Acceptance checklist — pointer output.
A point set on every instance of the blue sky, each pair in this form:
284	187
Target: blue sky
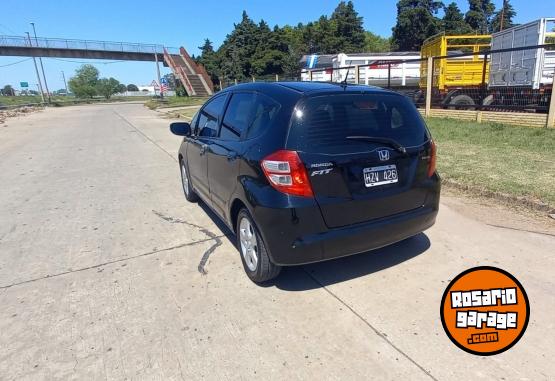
175	23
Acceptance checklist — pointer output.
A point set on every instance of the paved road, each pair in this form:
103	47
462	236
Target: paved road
107	273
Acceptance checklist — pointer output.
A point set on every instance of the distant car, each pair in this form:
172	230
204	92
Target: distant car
304	172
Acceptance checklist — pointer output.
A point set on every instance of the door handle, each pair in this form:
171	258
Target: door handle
203	148
231	156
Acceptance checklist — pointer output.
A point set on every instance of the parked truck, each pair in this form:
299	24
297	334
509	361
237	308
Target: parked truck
515	79
522	77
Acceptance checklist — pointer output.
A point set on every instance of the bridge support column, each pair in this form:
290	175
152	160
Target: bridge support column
158	75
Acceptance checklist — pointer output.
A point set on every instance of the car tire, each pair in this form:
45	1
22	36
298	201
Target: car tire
255	258
188	191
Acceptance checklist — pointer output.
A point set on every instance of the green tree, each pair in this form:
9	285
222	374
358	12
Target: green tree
347	32
84	83
107	87
209	59
8	91
132	87
376	44
121	88
453	21
271	51
503	19
237	50
479	15
292	37
319	37
257	50
416	21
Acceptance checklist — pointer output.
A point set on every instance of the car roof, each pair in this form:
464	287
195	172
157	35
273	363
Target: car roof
307	88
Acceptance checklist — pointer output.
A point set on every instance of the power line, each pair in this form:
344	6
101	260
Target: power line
15	63
8	29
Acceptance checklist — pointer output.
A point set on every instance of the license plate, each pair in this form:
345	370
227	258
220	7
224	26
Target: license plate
385	174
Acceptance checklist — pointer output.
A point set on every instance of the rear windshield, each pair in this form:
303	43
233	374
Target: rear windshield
321	124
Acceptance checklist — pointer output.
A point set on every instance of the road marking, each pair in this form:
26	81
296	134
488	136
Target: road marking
144	135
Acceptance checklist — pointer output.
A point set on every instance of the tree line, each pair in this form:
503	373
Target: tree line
87	84
417	20
256	50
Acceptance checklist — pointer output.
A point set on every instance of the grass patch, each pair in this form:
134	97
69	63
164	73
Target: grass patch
58	100
518	161
186	114
25	99
175	102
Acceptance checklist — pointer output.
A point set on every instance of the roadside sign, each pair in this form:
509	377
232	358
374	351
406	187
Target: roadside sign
23	84
155	85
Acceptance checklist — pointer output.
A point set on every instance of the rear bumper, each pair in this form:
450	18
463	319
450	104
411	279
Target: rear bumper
369	236
300	236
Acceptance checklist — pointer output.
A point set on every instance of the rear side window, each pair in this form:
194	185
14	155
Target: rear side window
208	118
251	112
264	111
238	114
322	123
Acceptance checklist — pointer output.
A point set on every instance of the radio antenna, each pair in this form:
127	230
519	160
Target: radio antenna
344	82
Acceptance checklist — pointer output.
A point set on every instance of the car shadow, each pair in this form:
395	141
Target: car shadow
321	274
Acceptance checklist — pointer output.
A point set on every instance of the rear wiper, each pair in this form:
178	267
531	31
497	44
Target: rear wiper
376	139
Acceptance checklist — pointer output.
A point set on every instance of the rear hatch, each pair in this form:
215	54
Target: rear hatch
366	154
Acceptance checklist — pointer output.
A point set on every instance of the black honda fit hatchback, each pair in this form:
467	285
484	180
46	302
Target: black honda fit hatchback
305	172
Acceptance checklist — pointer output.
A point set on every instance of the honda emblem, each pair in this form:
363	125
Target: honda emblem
383	154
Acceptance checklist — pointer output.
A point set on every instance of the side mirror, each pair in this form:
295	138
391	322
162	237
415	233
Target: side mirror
180	128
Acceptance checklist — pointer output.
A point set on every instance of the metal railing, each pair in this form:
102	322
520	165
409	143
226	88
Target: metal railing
64	43
228	82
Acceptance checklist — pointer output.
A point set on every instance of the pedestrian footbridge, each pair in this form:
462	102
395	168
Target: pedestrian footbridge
193	76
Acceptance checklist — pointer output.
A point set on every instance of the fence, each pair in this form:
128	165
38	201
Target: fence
502	80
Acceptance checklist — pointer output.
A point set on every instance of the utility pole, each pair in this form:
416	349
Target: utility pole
65	83
40	60
36	70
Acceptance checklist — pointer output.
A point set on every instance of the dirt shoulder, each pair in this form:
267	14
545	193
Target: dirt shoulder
498	214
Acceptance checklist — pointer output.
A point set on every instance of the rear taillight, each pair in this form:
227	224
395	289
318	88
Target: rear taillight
286	173
433	156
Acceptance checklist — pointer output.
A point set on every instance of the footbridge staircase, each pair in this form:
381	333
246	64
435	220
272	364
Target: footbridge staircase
193	76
